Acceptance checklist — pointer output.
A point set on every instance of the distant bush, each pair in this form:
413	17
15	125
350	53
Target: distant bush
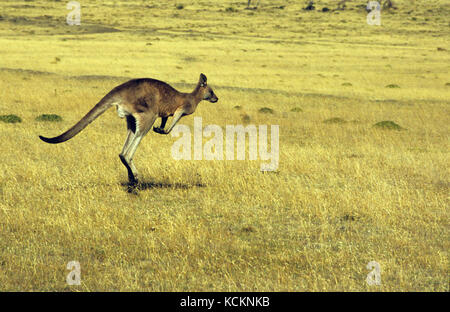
347	84
335	120
392	86
246	118
238	107
56	60
10	118
387	124
310	6
297	110
179	6
190	59
49	117
266	110
230	9
248	229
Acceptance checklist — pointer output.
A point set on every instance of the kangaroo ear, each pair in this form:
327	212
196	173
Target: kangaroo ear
202	79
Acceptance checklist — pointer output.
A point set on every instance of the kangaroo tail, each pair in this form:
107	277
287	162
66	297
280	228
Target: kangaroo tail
96	111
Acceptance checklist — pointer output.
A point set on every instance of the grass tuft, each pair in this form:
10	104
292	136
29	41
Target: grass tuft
246	118
49	117
231	9
10	118
266	110
335	120
388	125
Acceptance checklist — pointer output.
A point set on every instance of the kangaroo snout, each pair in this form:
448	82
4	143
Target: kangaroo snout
214	99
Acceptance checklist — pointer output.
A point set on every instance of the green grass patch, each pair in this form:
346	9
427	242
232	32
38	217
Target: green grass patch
388	125
335	120
246	119
393	86
10	118
296	110
231	9
49	117
266	110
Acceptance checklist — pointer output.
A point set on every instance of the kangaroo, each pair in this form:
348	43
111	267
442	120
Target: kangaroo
141	102
255	7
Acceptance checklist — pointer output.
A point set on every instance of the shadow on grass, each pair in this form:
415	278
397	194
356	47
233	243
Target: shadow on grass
142	186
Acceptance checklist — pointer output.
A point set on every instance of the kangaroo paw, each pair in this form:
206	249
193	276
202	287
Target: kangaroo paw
133	180
159	130
132	177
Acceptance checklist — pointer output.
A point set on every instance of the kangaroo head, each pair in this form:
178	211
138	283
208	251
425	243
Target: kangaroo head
208	93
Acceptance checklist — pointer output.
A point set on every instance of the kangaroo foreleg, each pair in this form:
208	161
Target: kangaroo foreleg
176	117
162	126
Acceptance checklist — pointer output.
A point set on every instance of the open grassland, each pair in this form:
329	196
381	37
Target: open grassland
345	193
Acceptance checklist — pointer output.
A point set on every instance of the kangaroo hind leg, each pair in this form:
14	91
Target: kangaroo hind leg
143	124
131	131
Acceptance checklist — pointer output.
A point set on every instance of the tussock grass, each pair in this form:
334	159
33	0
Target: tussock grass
10	118
266	110
393	86
49	117
335	120
246	118
387	124
231	9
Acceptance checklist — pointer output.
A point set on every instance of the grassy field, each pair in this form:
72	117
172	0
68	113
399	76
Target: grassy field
345	192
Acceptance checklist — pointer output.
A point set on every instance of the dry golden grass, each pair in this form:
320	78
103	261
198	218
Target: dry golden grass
344	194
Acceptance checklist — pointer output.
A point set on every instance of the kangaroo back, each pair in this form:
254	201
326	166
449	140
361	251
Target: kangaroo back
96	111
